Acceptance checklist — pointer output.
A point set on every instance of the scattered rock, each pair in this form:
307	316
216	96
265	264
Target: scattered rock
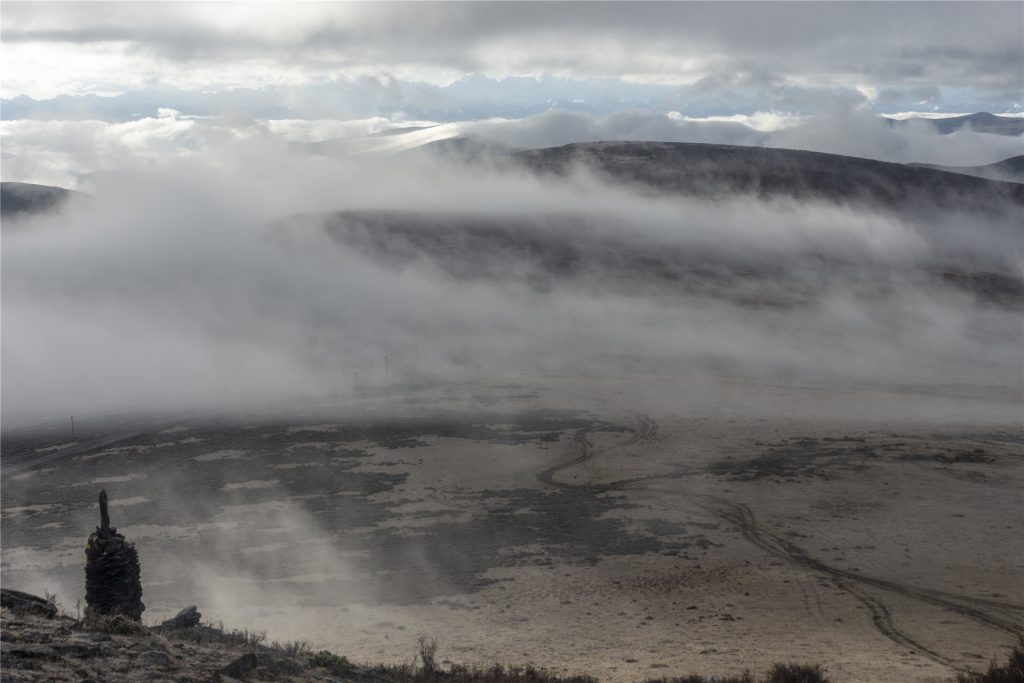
158	659
240	666
77	650
26	603
186	618
278	666
31	651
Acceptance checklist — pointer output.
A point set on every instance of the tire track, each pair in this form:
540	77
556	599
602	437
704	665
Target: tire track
586	453
741	516
647	429
882	619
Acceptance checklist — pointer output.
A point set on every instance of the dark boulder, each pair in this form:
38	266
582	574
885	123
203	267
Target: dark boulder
186	618
26	603
240	667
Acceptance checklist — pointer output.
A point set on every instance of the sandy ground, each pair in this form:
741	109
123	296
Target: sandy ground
627	527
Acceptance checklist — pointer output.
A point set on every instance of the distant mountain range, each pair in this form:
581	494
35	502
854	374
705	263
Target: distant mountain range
455	139
982	122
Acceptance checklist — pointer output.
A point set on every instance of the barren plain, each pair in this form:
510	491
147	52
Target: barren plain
628	527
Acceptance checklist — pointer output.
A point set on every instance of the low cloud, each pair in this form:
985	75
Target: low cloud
182	288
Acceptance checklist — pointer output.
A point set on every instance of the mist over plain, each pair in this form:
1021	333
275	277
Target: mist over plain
229	269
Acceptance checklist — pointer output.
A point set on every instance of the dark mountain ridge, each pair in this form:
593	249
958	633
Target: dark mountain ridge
714	171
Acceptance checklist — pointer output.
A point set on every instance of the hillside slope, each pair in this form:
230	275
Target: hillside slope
718	170
22	199
1009	170
38	647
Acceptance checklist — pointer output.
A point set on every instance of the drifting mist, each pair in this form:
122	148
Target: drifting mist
237	274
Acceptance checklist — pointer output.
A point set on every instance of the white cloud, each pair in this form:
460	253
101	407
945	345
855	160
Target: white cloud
51	48
868	91
764	121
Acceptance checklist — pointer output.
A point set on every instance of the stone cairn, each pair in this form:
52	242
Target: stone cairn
112	583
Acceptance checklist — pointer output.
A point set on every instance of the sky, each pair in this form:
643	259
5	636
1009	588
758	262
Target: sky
93	87
463	61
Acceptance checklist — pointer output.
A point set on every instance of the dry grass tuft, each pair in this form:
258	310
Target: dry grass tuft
1011	672
114	625
779	673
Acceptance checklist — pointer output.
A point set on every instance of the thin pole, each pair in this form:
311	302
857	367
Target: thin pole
72	426
104	515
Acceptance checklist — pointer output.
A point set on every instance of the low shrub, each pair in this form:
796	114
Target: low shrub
1011	672
795	673
330	661
113	624
495	673
745	677
779	673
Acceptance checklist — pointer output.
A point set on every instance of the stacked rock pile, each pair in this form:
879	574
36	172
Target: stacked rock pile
112	572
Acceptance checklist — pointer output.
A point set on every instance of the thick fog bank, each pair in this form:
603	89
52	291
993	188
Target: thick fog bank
186	287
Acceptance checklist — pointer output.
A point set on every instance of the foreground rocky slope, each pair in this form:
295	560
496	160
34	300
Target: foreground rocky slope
37	647
40	645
